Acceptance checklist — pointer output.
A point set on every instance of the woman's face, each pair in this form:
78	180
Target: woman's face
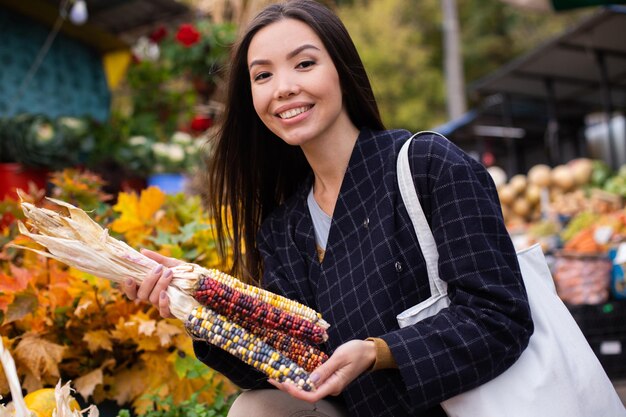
295	85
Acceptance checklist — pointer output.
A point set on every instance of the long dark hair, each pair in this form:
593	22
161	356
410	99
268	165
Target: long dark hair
251	170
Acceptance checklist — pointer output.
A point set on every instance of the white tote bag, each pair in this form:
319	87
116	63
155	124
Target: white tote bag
557	375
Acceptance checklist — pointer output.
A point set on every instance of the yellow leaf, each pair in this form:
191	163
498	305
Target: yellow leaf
138	214
151	200
86	384
148	343
98	339
40	356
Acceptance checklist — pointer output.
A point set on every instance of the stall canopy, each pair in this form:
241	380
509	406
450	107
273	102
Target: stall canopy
577	73
111	24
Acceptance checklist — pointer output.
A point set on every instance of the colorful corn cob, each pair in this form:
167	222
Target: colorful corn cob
267	331
269	297
305	355
205	324
231	302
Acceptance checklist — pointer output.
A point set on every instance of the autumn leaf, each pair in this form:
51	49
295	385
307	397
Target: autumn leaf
21	305
17	281
39	355
165	330
138	214
146	327
128	384
5	301
148	343
86	384
98	339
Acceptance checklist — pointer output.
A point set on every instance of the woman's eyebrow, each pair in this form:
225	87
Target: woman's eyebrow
289	55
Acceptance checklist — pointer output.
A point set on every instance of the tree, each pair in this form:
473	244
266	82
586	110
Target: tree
401	44
398	59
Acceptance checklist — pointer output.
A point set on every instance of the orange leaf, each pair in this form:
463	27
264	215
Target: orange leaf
17	281
39	355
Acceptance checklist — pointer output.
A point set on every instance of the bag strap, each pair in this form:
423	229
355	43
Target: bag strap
420	224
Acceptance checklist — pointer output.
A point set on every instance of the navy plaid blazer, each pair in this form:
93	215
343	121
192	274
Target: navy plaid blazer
373	270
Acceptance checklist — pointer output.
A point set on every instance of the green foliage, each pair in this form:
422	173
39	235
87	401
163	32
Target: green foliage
401	44
167	407
408	89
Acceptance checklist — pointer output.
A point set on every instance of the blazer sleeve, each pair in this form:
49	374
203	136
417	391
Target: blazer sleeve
488	323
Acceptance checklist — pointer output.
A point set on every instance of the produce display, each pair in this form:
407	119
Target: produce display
273	334
576	212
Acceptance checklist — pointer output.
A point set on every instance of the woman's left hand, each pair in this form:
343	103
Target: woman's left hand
348	362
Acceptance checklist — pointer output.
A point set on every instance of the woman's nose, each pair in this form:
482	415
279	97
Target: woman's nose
286	87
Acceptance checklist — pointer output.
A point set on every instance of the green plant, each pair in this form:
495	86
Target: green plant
39	141
167	407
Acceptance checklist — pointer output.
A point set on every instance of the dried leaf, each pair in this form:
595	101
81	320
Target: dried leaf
86	384
147	327
22	305
165	330
128	384
40	356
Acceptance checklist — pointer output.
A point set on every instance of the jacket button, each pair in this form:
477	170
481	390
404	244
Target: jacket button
366	222
398	266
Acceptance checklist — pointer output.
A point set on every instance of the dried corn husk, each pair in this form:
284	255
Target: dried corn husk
76	240
17	408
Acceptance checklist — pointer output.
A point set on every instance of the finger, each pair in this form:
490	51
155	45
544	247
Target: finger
164	305
162	259
297	392
161	286
145	289
129	287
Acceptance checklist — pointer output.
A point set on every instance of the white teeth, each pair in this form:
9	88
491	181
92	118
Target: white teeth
293	112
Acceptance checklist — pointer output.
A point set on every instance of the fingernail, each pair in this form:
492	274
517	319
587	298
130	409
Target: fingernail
315	378
158	269
129	281
169	273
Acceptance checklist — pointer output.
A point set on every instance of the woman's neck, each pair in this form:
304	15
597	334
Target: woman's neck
329	160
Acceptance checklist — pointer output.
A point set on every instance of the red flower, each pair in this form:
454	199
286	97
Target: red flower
187	35
158	34
201	123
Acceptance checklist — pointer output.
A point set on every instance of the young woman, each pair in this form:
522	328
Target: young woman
309	174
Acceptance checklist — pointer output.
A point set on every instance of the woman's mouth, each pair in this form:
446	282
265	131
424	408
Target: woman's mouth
288	114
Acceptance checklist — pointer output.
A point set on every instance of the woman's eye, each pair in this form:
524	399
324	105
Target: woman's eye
261	76
306	64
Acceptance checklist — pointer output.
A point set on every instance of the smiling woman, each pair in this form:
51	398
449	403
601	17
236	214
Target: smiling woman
307	173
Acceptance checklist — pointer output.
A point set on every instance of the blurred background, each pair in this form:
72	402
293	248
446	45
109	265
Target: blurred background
103	100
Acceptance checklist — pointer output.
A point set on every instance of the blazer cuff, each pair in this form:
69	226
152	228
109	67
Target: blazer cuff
384	358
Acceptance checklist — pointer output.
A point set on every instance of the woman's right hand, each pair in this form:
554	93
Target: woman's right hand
153	287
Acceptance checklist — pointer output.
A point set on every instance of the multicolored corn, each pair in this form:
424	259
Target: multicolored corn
302	353
235	304
270	332
205	324
269	297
